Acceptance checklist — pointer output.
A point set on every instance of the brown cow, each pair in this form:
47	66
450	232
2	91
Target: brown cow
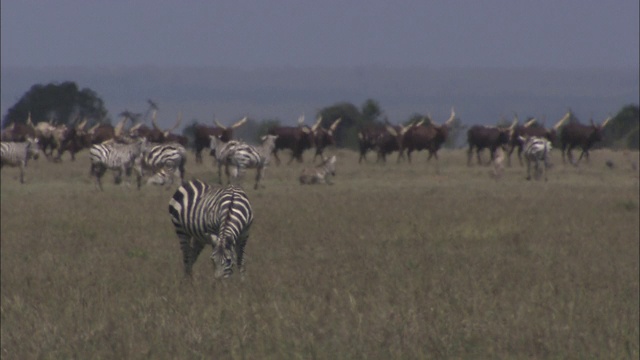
295	138
585	136
392	140
323	137
430	138
367	138
491	137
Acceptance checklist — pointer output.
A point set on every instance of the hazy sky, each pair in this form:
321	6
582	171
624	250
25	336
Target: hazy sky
280	33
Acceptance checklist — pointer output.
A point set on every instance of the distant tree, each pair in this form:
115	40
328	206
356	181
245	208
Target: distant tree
249	132
61	103
189	132
265	125
346	133
621	131
371	112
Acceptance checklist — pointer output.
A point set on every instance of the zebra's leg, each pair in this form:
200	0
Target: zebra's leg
259	176
219	172
98	171
190	251
275	155
520	154
22	165
240	244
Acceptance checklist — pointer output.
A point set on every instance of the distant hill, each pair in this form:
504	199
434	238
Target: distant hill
480	96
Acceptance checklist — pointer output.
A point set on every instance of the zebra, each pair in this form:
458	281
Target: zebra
118	157
244	156
169	156
318	175
18	154
220	216
536	150
220	151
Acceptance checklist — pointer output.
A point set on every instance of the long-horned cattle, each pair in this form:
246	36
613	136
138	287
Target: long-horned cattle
19	132
77	138
324	137
203	133
480	137
530	129
392	140
295	138
156	134
575	134
367	139
429	137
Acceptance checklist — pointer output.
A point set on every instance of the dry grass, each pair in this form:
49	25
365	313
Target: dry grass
392	261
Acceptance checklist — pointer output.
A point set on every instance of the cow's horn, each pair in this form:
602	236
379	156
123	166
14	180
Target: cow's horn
178	122
606	121
153	121
93	128
335	124
317	123
239	123
561	121
530	122
451	117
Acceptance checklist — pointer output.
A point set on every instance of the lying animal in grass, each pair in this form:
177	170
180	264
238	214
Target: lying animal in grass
320	174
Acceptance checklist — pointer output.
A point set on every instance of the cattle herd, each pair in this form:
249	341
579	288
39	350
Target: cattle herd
141	149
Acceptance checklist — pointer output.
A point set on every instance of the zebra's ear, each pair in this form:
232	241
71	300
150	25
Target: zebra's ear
332	160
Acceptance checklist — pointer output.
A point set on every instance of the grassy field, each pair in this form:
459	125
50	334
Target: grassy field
393	261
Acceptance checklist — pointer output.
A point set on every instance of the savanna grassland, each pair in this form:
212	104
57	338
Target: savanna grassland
393	261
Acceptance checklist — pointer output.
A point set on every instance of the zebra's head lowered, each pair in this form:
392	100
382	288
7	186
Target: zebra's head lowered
223	256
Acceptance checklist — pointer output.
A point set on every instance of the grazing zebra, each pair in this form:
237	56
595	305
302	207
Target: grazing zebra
318	175
202	214
244	156
171	157
120	158
536	150
18	154
220	151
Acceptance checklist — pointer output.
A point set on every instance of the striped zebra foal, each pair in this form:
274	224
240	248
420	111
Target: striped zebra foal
18	154
168	159
120	158
318	175
536	150
202	214
244	156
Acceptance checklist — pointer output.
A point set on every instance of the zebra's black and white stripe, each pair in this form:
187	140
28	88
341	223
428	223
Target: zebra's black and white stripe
203	214
169	158
319	174
244	156
220	151
18	154
537	151
120	158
